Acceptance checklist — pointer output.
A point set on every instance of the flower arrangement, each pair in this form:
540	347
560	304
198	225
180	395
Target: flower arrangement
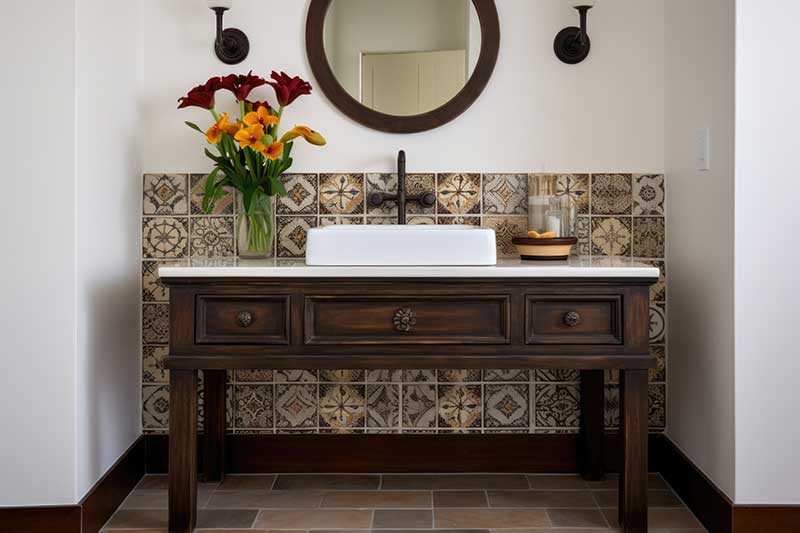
251	153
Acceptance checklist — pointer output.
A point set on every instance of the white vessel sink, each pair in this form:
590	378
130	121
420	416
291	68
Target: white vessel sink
394	245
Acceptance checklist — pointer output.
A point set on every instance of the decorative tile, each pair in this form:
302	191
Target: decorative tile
212	237
295	376
253	376
165	194
657	406
341	194
557	406
459	194
381	221
254	406
648	194
506	375
152	288
293	235
612	194
223	206
458	220
459	376
659	374
153	370
384	376
382	183
383	406
419	375
342	376
583	232
506	228
166	237
301	195
155	323
460	406
335	220
417	185
577	187
611	236
507	405
419	406
155	406
658	322
557	375
295	406
648	237
421	220
342	406
611	410
658	291
505	194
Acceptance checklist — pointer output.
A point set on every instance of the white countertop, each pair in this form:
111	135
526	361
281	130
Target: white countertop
578	267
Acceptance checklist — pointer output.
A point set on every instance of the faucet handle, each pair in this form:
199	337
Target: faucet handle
428	199
376	199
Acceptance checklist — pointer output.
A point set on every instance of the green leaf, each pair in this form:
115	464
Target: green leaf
194	126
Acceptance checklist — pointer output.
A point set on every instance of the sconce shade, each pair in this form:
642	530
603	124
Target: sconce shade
224	4
583	3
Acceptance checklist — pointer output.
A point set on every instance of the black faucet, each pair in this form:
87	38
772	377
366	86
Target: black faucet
376	199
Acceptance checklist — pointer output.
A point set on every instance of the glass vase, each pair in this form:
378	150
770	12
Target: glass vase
255	233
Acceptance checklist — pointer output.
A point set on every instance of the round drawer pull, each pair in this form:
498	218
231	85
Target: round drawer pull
244	319
405	319
572	319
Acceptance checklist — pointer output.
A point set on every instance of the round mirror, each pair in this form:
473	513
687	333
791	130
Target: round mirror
402	66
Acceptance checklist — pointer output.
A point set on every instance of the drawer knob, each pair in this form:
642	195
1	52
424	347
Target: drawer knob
244	319
405	319
572	319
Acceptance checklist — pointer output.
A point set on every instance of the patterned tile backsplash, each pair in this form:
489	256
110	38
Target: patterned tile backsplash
619	214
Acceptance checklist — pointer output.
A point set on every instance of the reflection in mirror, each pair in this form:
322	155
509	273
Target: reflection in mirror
402	57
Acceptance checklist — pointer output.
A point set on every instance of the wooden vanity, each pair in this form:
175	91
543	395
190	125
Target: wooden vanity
284	315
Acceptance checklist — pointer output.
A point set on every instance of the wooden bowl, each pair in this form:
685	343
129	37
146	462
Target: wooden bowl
556	249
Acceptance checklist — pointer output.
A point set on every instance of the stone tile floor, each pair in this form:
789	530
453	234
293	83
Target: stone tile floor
477	503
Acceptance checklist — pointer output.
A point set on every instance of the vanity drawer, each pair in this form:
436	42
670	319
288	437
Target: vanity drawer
583	319
480	319
242	319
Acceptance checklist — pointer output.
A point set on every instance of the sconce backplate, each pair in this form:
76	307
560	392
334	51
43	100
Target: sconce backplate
566	47
233	47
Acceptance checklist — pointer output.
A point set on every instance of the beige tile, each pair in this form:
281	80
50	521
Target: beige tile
326	482
576	518
230	518
314	519
557	482
454	481
264	499
662	519
247	482
655	498
402	519
145	499
490	518
542	498
562	530
138	519
460	498
383	499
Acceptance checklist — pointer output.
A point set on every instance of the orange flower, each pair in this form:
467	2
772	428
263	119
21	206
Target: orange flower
261	116
273	151
314	137
251	136
214	133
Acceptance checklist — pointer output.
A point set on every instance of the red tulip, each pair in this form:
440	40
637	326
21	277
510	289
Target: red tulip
202	95
288	89
242	85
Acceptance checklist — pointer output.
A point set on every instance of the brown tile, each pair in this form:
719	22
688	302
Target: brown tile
542	498
317	519
655	481
138	519
460	498
454	481
153	482
326	482
662	519
145	499
490	518
576	517
655	498
568	530
402	519
383	499
557	482
159	530
265	499
247	482
231	518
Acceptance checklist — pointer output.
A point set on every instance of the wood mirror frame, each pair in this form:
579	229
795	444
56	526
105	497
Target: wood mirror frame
315	48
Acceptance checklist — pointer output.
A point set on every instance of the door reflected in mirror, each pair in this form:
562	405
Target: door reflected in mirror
402	57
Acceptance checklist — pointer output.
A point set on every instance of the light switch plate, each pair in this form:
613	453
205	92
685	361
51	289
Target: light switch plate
703	143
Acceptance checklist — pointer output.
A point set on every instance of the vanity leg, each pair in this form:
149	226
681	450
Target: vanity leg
214	450
182	450
633	426
590	448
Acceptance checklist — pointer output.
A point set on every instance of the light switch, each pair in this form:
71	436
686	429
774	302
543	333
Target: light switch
704	149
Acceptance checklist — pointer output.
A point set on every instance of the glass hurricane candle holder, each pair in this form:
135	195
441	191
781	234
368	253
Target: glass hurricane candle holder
549	211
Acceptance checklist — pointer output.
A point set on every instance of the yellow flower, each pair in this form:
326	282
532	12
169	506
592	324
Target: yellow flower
251	136
261	116
314	137
214	133
273	151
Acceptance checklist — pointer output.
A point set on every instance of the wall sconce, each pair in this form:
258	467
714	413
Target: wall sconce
231	45
572	44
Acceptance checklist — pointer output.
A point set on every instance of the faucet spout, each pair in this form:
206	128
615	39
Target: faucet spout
401	198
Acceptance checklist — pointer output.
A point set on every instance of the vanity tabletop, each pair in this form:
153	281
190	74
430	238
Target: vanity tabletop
577	267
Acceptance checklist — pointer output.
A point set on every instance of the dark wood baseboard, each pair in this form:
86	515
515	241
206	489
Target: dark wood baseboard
61	518
761	518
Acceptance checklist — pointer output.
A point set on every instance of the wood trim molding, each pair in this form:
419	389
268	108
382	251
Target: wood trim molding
761	518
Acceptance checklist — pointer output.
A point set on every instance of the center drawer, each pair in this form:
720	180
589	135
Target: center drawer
340	319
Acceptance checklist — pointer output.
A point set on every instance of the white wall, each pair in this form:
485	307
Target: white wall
108	148
767	147
699	92
536	114
37	318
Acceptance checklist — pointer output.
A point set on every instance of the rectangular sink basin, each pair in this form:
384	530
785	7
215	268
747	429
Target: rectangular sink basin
394	245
